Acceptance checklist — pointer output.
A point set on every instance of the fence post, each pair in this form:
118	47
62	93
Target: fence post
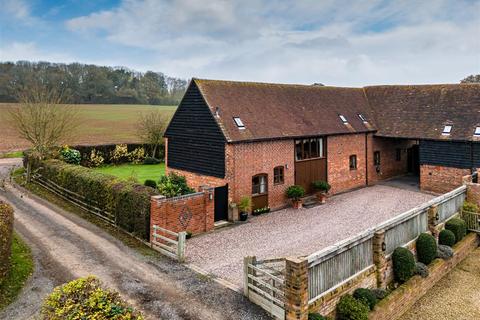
182	237
379	259
296	289
246	261
433	220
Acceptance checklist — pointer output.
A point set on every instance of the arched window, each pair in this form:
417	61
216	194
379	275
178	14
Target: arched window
259	184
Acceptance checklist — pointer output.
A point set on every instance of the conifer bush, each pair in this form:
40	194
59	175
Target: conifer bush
426	246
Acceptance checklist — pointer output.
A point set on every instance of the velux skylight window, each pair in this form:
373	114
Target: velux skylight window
477	132
342	117
362	117
447	129
239	122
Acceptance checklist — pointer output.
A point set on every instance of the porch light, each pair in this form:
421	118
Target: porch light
384	246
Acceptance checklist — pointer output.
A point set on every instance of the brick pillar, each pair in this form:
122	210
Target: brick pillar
379	258
433	221
296	289
157	212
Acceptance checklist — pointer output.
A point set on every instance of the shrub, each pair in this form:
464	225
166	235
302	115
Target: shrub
321	186
380	293
349	308
173	185
426	248
444	252
137	155
71	156
150	183
150	160
316	316
295	192
245	204
403	264
421	269
458	227
470	207
85	298
446	237
96	159
119	154
367	296
6	235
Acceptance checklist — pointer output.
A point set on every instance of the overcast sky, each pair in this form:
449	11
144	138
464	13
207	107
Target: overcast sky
345	43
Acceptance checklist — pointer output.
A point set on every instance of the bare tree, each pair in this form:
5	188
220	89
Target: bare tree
42	119
151	127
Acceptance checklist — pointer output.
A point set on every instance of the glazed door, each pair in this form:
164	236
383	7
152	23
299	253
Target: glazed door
259	191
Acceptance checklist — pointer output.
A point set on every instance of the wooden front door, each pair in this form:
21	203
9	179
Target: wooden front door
259	191
221	203
308	171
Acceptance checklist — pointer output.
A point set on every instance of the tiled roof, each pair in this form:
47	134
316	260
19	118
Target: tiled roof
422	111
271	111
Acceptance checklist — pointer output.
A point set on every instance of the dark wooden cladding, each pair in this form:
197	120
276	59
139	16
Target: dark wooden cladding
308	171
195	141
465	155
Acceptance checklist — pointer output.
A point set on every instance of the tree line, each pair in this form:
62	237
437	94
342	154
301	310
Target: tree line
91	84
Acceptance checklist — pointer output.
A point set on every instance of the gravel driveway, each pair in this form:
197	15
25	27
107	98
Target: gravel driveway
295	233
66	247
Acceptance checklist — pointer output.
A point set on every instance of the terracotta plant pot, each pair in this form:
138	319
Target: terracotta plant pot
322	197
297	204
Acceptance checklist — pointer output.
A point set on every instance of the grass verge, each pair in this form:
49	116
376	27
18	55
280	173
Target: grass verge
22	268
14	154
141	172
126	239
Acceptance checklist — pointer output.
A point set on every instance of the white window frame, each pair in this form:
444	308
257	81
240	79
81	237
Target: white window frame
239	122
447	129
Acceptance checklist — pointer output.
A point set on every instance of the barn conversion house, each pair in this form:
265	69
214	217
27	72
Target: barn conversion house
256	139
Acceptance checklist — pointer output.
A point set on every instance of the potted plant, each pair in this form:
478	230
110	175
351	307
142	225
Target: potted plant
296	193
322	188
244	206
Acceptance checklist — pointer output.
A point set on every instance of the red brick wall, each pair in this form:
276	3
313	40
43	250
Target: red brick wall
389	166
473	193
249	159
198	210
339	150
197	180
440	179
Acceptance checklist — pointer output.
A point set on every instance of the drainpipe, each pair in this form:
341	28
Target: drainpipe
366	158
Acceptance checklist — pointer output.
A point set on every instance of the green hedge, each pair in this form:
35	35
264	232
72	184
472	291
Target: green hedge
367	296
349	308
458	227
128	202
446	238
85	298
426	246
6	235
403	264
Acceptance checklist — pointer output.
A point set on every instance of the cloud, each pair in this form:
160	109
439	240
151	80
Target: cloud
334	42
16	51
19	10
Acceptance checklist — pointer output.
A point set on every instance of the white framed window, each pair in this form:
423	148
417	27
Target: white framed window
239	122
342	117
447	130
362	117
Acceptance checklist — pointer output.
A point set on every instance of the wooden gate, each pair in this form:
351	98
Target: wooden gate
221	203
307	171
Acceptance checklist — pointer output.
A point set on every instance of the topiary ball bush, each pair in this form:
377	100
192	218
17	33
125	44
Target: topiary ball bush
380	293
426	248
403	264
446	238
367	296
150	183
349	308
316	316
85	298
458	227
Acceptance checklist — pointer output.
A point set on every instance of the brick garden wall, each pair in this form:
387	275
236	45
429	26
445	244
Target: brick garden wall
440	179
339	174
193	213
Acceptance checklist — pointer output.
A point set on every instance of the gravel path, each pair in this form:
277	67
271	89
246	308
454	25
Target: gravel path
456	296
298	232
66	247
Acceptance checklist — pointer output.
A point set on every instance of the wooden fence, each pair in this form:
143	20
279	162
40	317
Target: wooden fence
169	243
264	284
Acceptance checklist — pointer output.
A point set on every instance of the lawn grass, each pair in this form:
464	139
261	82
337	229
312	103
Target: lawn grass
14	154
141	172
22	268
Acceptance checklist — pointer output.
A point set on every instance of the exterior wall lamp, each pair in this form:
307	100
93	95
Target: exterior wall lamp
384	246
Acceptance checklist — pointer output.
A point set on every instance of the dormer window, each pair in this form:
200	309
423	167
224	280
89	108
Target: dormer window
477	132
342	117
362	117
447	129
239	122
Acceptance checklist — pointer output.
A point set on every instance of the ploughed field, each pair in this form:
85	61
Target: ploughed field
99	124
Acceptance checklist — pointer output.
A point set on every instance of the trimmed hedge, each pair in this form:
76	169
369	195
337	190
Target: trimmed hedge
446	238
426	248
6	236
107	149
365	295
458	227
85	298
403	264
349	308
129	202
